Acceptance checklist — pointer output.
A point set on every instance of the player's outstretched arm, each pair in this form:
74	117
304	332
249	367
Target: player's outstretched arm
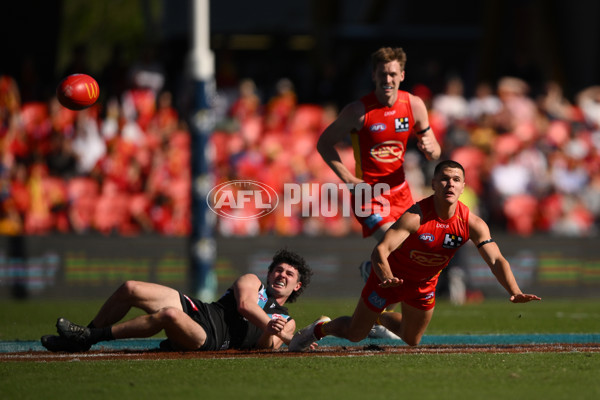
393	238
490	252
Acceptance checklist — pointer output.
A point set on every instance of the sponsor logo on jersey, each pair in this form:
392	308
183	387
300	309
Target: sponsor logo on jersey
452	241
378	127
401	124
388	151
262	297
443	226
429	298
377	301
428	259
192	304
225	345
427	237
389	113
372	220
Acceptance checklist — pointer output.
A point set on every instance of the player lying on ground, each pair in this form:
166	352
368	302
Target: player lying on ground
407	263
248	315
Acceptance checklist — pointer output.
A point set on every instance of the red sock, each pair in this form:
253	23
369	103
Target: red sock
319	330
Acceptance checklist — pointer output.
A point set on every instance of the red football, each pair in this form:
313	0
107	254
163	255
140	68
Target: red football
78	91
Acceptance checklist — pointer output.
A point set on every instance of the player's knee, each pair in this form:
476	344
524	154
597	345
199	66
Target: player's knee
129	288
356	336
169	315
412	341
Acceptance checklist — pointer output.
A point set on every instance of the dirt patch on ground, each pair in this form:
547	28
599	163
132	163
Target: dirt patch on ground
342	351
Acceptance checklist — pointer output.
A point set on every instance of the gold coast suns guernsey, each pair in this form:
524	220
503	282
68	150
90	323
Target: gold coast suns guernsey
380	145
425	253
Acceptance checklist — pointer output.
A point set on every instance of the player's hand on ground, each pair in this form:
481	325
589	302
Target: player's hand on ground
524	298
391	282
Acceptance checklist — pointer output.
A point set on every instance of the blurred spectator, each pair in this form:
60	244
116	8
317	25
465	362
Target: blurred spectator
588	101
11	223
517	108
88	145
575	219
82	196
148	72
247	105
484	103
508	176
281	106
452	103
61	159
591	196
568	174
555	105
47	206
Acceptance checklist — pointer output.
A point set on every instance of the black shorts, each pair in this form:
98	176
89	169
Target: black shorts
201	313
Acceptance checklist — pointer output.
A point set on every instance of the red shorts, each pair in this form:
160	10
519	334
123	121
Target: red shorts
399	199
420	295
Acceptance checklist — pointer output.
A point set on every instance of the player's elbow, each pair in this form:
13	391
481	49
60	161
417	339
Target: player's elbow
323	147
378	254
244	307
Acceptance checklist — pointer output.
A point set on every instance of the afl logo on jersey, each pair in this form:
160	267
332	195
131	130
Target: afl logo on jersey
427	237
379	127
388	152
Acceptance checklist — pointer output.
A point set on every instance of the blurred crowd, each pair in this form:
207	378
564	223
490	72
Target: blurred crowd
532	163
122	166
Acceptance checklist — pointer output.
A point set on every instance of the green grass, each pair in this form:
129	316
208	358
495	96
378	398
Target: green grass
494	316
28	320
422	376
408	376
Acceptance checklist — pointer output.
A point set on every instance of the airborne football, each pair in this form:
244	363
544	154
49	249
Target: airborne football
78	91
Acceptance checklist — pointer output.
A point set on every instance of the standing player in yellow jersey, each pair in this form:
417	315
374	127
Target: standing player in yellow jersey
380	125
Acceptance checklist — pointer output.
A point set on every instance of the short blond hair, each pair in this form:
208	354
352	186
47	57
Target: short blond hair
388	54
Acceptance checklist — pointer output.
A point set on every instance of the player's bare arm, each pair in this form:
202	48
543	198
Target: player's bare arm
426	140
490	252
349	120
393	238
275	331
245	289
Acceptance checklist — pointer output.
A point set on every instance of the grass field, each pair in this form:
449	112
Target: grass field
423	376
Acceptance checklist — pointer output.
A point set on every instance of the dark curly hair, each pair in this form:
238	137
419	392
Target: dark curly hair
297	261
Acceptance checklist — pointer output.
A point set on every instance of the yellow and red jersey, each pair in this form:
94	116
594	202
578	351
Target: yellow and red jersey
425	253
379	146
